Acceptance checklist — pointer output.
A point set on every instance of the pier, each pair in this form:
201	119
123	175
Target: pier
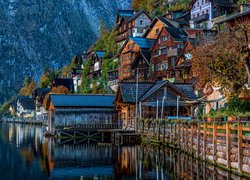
99	133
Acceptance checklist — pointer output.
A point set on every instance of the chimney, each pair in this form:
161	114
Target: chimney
244	7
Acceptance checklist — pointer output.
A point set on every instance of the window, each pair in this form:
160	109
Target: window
159	41
207	11
124	26
158	67
202	2
198	14
157	52
206	1
202	12
198	4
157	31
164	51
173	61
193	15
165	38
141	22
164	65
129	25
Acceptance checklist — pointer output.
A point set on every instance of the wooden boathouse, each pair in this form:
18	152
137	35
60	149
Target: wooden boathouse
78	111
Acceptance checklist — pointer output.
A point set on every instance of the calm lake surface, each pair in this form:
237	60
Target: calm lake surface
26	154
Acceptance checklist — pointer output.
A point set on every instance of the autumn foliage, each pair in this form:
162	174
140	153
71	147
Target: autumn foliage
55	90
224	60
29	86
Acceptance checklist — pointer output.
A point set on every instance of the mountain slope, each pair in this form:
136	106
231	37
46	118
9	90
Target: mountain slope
35	34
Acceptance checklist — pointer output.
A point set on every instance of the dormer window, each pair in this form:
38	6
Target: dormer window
141	22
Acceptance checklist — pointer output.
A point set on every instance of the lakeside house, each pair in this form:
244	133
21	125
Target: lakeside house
155	100
25	107
39	94
68	110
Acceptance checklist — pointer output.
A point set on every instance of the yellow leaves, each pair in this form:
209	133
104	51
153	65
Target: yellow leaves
28	89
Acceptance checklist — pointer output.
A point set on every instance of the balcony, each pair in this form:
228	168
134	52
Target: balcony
203	17
174	52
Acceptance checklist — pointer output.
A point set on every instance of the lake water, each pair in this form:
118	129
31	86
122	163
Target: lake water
26	154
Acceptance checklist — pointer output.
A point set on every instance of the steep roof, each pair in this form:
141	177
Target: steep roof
40	92
146	89
66	82
128	90
137	15
143	43
167	23
187	89
176	33
125	13
28	103
62	100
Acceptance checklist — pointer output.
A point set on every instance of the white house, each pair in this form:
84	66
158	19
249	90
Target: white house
203	11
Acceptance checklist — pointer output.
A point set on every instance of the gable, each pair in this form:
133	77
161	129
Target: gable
171	91
157	27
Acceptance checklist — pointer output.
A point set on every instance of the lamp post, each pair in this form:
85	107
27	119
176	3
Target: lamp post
136	98
178	100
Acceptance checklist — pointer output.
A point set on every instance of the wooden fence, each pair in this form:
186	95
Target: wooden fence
223	143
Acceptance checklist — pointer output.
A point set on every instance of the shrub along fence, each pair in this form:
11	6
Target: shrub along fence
226	144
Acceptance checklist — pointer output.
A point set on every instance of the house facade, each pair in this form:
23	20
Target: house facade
128	54
25	107
38	95
155	100
96	58
166	51
69	110
131	23
203	11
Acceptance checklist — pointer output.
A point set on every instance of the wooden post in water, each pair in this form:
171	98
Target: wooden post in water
204	140
164	129
192	139
214	141
240	147
228	152
171	138
198	140
158	137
